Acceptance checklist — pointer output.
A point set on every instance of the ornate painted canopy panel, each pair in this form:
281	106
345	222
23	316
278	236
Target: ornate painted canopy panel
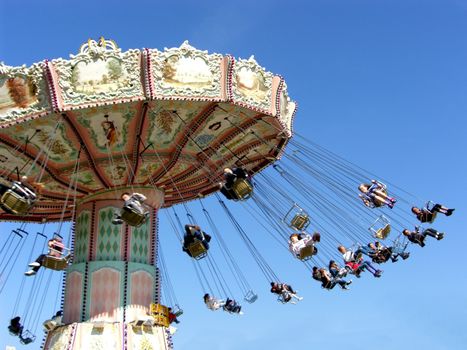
106	118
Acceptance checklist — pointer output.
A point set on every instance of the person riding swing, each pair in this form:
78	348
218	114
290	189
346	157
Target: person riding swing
375	195
134	211
428	214
56	250
232	177
195	241
303	245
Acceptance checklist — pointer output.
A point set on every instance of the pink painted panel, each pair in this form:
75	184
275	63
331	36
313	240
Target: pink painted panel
73	299
105	294
141	295
142	288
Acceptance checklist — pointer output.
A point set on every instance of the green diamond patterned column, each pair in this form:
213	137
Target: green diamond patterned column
140	243
110	237
82	234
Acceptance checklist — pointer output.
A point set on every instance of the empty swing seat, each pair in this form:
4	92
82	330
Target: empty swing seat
250	297
133	217
300	221
26	338
197	250
383	232
160	313
297	218
55	263
381	227
177	311
14	203
26	341
242	189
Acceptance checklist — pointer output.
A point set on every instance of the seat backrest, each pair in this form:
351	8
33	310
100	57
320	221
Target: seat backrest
160	313
197	250
306	252
377	203
15	203
50	325
383	233
55	263
284	297
242	189
26	338
433	217
178	312
300	221
250	297
132	217
26	341
24	190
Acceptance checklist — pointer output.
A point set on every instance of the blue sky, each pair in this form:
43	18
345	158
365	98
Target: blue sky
382	83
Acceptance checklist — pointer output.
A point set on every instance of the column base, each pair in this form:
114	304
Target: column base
109	336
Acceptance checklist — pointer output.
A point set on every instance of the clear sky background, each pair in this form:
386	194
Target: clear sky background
357	68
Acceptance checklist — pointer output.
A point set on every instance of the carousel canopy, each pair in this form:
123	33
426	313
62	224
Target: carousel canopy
140	119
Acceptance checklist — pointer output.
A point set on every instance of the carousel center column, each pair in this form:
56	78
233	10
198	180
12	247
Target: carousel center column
113	278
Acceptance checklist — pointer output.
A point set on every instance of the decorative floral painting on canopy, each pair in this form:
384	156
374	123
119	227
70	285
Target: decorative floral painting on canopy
15	93
187	71
98	76
251	84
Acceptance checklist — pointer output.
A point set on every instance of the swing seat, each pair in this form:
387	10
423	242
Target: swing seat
197	250
376	187
177	311
133	217
306	252
378	204
242	189
55	263
358	257
26	341
300	221
381	227
14	203
429	207
296	218
382	256
281	298
399	248
383	233
433	218
160	313
250	297
27	337
232	310
50	325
